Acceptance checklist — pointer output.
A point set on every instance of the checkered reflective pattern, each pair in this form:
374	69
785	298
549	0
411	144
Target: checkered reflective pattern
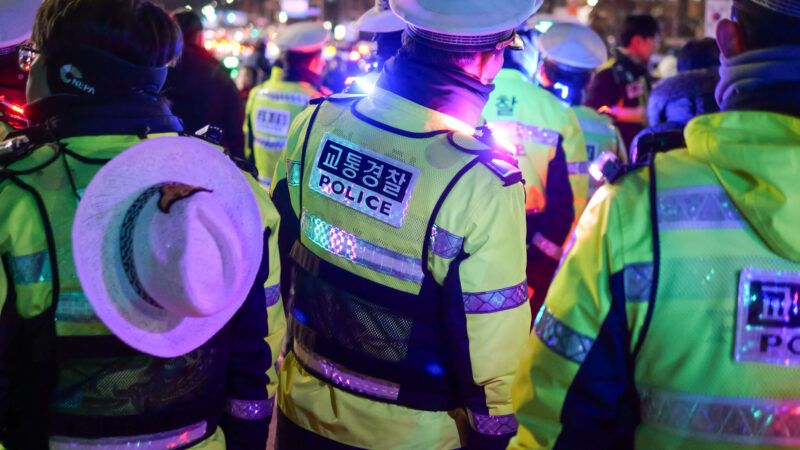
250	409
697	208
444	243
494	301
638	282
562	339
754	421
494	425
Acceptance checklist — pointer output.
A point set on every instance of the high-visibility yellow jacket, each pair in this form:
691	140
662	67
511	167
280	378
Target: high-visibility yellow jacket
63	373
673	321
409	308
271	107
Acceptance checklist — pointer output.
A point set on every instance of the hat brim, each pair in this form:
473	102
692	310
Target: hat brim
376	20
485	18
96	232
16	21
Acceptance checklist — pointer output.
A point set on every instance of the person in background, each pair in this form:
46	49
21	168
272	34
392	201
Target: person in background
139	286
671	324
405	234
570	54
201	91
254	70
544	136
622	86
387	30
15	29
273	105
677	100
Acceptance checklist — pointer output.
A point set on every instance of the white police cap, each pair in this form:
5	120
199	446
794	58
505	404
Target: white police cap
380	19
302	37
16	21
573	45
464	25
785	7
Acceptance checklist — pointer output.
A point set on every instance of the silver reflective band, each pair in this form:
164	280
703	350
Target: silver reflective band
596	127
698	207
520	133
167	439
638	280
339	242
74	307
31	269
345	378
293	173
286	97
578	168
752	421
494	301
547	246
250	409
444	243
560	338
494	425
272	294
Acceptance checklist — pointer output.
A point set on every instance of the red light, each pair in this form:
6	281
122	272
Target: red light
17	109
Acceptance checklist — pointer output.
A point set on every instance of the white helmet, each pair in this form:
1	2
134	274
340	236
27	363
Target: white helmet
573	45
303	37
380	19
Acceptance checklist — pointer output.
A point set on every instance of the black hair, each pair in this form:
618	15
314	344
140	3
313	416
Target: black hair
643	25
137	31
576	80
698	54
190	24
436	57
764	28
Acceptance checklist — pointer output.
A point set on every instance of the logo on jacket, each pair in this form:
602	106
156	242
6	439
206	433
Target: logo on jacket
364	180
72	76
768	319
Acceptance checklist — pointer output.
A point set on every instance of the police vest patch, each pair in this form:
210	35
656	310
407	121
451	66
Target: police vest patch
272	121
366	181
768	318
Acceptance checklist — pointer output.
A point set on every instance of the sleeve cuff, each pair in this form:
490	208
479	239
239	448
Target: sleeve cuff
249	409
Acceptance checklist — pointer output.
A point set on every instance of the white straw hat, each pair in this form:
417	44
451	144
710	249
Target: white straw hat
167	243
380	19
16	21
303	37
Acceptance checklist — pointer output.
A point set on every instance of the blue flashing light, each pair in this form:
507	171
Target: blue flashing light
435	369
300	316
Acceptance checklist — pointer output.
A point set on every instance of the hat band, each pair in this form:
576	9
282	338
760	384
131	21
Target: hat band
454	43
126	243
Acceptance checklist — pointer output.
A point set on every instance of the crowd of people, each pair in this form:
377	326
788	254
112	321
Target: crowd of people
498	238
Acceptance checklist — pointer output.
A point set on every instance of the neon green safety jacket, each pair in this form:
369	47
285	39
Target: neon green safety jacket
409	307
63	373
601	136
673	321
271	107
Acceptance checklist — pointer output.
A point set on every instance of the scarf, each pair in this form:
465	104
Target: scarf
446	90
761	80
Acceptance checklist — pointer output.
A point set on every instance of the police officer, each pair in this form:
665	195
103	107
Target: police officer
273	105
387	30
671	324
622	86
406	236
570	54
15	28
546	136
69	377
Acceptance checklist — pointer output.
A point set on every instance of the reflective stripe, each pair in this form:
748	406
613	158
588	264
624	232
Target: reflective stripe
560	338
292	173
753	421
697	208
494	301
270	144
547	246
638	279
345	378
250	409
286	97
494	425
273	294
596	127
31	269
168	439
578	168
74	307
519	133
444	243
339	242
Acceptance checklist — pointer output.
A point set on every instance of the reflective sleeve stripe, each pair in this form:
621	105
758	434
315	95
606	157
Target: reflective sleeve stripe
31	269
547	246
560	338
272	294
752	421
167	439
345	245
345	378
519	133
249	409
699	207
494	301
293	173
444	243
494	425
638	281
